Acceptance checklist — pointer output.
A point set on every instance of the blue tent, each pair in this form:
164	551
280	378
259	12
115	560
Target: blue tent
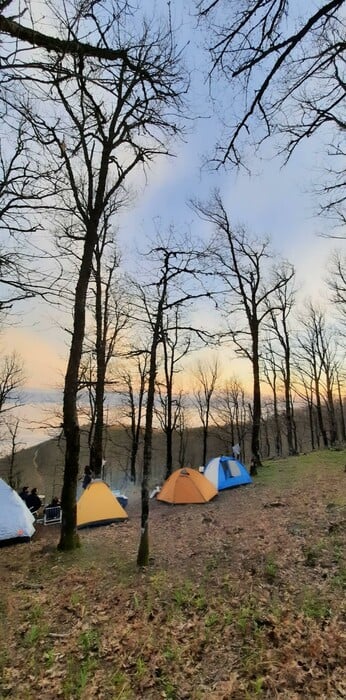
226	472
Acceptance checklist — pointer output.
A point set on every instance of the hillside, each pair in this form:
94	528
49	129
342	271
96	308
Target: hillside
43	464
244	598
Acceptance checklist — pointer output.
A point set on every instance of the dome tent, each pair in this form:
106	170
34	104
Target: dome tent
98	506
16	521
226	472
186	486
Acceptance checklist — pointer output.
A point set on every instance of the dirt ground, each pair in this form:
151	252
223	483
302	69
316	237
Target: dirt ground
244	598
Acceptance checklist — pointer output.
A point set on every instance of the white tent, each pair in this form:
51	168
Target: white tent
16	521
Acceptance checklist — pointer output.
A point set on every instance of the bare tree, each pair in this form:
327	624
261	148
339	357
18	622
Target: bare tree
174	348
271	373
13	475
336	282
341	406
22	197
11	380
231	416
67	45
133	397
181	429
177	264
279	325
318	351
206	376
250	293
111	317
285	64
304	389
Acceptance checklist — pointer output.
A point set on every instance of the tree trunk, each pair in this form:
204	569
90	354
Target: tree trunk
288	410
143	550
169	452
136	423
182	447
320	416
331	411
135	432
278	441
99	428
294	430
133	460
205	444
96	452
342	416
266	436
311	422
169	430
256	410
69	537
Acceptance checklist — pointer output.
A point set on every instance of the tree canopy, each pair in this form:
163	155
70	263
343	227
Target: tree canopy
285	64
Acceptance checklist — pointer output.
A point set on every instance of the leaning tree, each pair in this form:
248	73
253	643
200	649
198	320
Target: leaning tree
97	111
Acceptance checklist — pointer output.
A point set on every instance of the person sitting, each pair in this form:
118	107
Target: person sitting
24	493
55	503
88	475
33	501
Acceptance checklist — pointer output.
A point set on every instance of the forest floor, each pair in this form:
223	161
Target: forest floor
244	598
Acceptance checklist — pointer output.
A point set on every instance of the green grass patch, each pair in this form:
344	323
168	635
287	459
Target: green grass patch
89	641
339	579
313	605
271	568
285	472
77	677
313	554
188	595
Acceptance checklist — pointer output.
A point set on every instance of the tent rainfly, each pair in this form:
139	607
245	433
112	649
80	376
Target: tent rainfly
16	521
226	472
98	506
186	486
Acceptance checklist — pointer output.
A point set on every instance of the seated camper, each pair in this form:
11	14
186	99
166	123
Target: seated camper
33	501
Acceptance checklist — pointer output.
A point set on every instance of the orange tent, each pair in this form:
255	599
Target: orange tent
186	486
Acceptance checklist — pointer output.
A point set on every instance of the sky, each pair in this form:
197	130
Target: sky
273	200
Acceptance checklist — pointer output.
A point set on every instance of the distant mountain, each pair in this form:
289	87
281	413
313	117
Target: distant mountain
42	465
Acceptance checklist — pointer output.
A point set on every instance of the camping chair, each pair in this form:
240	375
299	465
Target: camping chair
52	515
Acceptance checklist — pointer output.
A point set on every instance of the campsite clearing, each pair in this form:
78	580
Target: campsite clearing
244	598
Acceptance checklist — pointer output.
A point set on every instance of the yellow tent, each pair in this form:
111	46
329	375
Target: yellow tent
187	486
98	506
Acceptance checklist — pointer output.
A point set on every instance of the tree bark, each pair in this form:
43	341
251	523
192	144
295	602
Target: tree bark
96	451
342	416
256	410
143	551
69	537
62	46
